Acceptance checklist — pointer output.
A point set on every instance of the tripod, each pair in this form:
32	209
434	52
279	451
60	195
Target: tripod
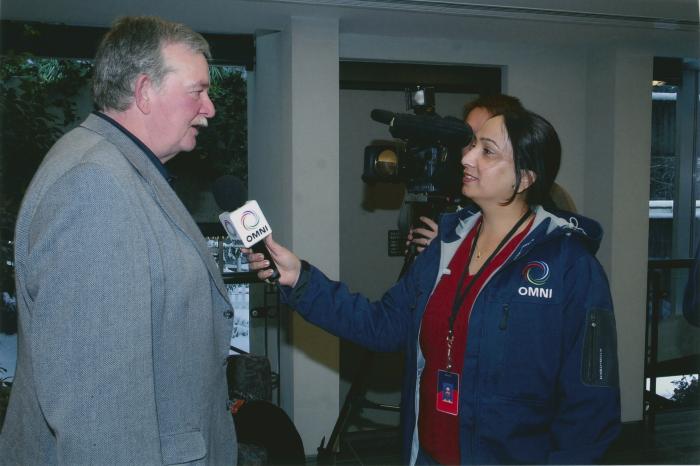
421	204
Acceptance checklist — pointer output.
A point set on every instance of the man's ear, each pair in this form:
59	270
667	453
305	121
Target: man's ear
143	91
527	178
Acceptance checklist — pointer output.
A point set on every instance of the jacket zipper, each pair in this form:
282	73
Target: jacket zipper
592	339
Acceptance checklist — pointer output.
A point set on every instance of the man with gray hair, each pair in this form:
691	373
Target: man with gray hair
124	321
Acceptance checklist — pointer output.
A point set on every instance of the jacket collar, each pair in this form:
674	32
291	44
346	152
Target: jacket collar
146	150
161	190
455	226
452	225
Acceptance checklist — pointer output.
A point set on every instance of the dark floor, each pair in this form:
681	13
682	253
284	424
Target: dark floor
372	447
675	440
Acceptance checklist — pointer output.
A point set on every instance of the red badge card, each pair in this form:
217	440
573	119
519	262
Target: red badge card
447	392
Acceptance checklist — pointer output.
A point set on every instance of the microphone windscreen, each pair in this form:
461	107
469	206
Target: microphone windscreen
229	192
382	116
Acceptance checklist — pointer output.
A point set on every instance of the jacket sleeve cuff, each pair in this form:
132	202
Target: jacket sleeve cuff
297	292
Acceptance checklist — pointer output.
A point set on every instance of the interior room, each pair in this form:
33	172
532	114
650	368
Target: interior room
316	69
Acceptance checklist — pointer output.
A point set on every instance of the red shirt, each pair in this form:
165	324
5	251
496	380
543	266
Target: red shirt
439	432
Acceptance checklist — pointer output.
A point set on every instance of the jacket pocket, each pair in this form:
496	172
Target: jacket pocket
521	360
182	447
599	360
514	431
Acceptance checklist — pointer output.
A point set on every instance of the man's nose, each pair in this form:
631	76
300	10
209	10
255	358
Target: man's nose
208	106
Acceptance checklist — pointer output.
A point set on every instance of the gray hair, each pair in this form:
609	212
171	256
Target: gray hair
133	46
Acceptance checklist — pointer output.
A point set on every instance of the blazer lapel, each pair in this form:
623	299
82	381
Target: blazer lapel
162	192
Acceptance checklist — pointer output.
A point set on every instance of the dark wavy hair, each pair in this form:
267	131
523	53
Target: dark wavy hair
536	147
495	104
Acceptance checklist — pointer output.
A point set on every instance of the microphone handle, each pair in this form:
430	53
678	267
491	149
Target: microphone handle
260	248
411	254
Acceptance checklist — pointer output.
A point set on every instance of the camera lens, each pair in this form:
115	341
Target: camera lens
387	163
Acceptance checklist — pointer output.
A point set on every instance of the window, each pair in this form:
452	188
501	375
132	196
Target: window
674	203
674	234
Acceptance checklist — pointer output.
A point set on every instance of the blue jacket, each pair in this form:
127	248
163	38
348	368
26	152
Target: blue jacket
539	377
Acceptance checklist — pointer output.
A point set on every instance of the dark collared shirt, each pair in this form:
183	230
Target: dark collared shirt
151	156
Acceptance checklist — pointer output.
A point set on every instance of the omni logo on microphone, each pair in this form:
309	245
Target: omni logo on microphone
249	220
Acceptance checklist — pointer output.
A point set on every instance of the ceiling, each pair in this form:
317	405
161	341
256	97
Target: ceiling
567	20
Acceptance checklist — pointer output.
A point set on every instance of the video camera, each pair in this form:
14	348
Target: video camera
428	158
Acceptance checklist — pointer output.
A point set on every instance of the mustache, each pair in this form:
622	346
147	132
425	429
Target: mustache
201	121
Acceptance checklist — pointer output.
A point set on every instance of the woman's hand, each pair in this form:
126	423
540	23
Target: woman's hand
288	265
422	237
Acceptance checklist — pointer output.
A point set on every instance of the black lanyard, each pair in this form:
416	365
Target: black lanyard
462	292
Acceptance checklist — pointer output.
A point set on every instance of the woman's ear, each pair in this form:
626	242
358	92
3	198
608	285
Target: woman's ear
142	93
527	179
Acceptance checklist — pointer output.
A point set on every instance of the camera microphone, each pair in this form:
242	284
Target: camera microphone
382	116
246	222
425	128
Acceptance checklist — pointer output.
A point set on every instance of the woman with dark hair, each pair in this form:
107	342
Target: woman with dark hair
476	113
509	309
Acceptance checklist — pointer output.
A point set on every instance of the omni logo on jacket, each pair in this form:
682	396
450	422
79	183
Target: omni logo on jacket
536	273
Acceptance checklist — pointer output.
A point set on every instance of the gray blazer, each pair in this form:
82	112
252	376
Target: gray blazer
124	319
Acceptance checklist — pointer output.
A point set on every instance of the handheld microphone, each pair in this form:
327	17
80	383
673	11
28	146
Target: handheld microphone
247	222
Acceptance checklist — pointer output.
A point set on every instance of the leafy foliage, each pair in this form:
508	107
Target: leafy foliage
37	104
686	392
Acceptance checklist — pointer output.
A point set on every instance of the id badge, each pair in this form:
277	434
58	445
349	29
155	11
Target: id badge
447	392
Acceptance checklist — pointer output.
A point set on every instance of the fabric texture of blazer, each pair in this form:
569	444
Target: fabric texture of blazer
124	321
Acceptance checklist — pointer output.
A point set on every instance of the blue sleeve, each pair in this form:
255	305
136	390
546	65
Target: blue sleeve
587	419
379	326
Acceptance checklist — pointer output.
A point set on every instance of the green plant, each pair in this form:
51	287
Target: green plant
37	104
686	392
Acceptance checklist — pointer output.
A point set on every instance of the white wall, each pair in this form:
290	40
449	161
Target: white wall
293	173
617	167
